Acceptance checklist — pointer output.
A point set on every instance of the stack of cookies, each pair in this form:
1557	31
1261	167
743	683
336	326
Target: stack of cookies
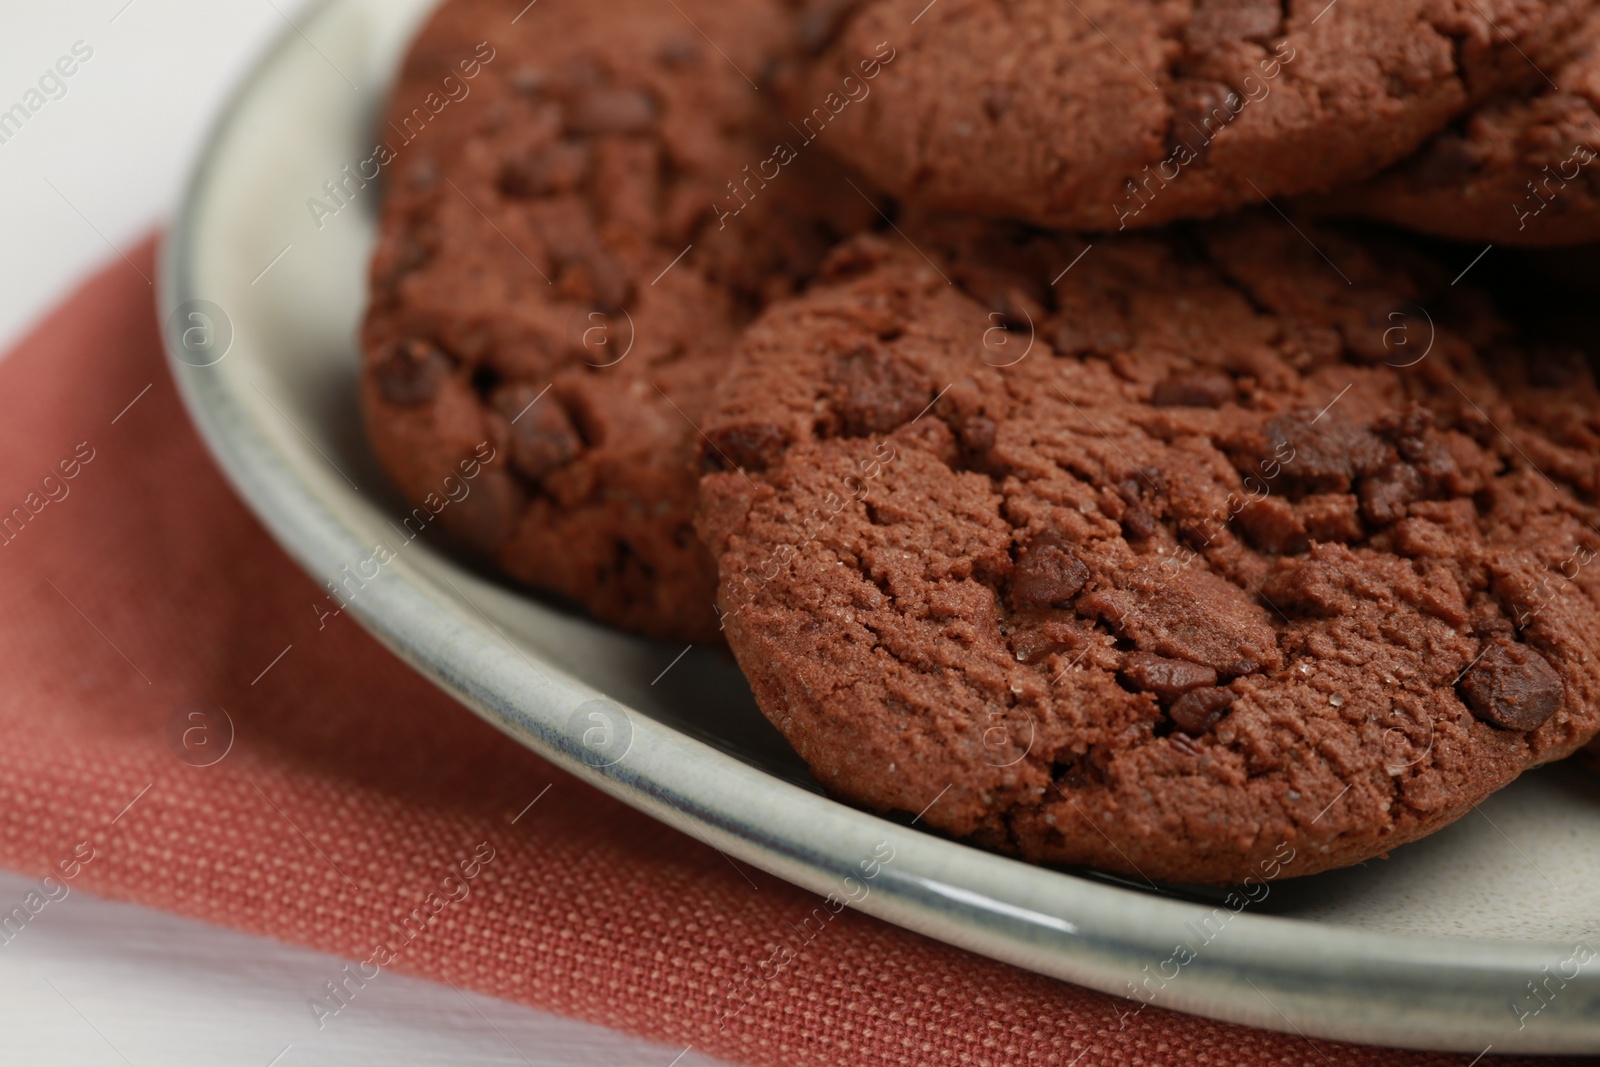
1073	412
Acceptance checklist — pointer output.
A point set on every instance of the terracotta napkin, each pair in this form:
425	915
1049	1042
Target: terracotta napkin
358	811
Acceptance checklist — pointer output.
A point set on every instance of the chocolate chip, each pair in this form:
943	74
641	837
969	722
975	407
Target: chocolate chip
1325	453
997	101
751	447
411	372
1384	496
1186	744
1431	457
1199	710
604	111
978	434
1046	574
1166	678
1512	687
1017	299
560	168
678	53
543	439
610	286
1138	524
875	391
1201	110
1200	389
1448	161
820	22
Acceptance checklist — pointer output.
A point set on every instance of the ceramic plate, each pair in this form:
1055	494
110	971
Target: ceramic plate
1434	947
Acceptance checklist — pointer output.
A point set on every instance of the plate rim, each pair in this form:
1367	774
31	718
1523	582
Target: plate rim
1042	920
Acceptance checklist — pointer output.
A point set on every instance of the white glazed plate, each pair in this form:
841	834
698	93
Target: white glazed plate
1433	948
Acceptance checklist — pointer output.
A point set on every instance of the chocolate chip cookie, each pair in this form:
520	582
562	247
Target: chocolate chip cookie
1248	551
583	204
1521	169
1109	114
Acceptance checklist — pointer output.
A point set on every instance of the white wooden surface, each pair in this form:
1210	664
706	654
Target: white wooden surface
91	982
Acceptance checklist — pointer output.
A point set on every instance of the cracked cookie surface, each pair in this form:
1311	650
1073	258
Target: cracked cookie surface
1113	114
1521	169
1197	565
572	235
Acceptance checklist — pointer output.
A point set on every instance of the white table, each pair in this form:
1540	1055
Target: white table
99	163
